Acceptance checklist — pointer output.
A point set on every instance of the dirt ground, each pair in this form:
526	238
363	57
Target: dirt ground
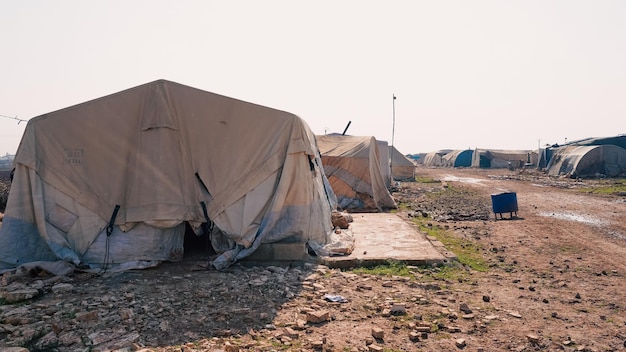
555	282
559	267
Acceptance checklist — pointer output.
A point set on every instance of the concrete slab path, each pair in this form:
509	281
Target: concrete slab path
380	237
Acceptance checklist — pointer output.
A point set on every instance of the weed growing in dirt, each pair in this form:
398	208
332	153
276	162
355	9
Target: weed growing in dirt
468	255
467	252
420	179
391	268
614	186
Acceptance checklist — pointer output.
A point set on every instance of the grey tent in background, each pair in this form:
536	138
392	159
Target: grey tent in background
496	158
587	161
150	159
458	158
352	165
545	154
435	158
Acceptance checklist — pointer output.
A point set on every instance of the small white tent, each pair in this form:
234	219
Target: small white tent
114	180
352	165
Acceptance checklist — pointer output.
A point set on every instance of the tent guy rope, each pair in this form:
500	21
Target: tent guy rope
14	118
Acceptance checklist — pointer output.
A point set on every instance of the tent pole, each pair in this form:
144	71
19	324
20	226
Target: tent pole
393	130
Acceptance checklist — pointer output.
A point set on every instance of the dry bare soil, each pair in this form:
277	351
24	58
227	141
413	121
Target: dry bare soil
552	279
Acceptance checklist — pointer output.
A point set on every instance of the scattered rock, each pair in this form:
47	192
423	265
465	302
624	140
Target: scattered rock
465	308
317	317
62	288
378	333
374	348
422	328
515	315
398	309
532	338
460	343
20	295
341	220
87	316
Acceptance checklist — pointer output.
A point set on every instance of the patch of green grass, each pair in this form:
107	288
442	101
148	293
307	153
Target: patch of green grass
391	268
451	272
568	249
443	336
467	252
614	186
293	345
402	206
469	255
420	179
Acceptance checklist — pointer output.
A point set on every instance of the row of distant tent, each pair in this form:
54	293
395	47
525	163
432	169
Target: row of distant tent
118	180
6	162
590	157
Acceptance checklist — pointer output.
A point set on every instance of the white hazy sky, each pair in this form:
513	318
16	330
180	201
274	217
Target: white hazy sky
487	74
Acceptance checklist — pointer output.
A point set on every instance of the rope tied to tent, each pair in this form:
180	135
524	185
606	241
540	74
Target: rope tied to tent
109	232
207	226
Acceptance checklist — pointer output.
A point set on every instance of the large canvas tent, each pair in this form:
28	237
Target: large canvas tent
352	165
619	140
546	154
113	181
435	158
588	161
458	158
494	158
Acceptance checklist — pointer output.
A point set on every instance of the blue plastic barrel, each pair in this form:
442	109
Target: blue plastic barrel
505	202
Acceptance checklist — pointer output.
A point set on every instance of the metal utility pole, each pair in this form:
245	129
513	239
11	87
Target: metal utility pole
393	131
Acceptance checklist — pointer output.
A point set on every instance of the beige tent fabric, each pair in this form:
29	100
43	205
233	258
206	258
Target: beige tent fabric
158	150
385	158
402	168
434	158
352	165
